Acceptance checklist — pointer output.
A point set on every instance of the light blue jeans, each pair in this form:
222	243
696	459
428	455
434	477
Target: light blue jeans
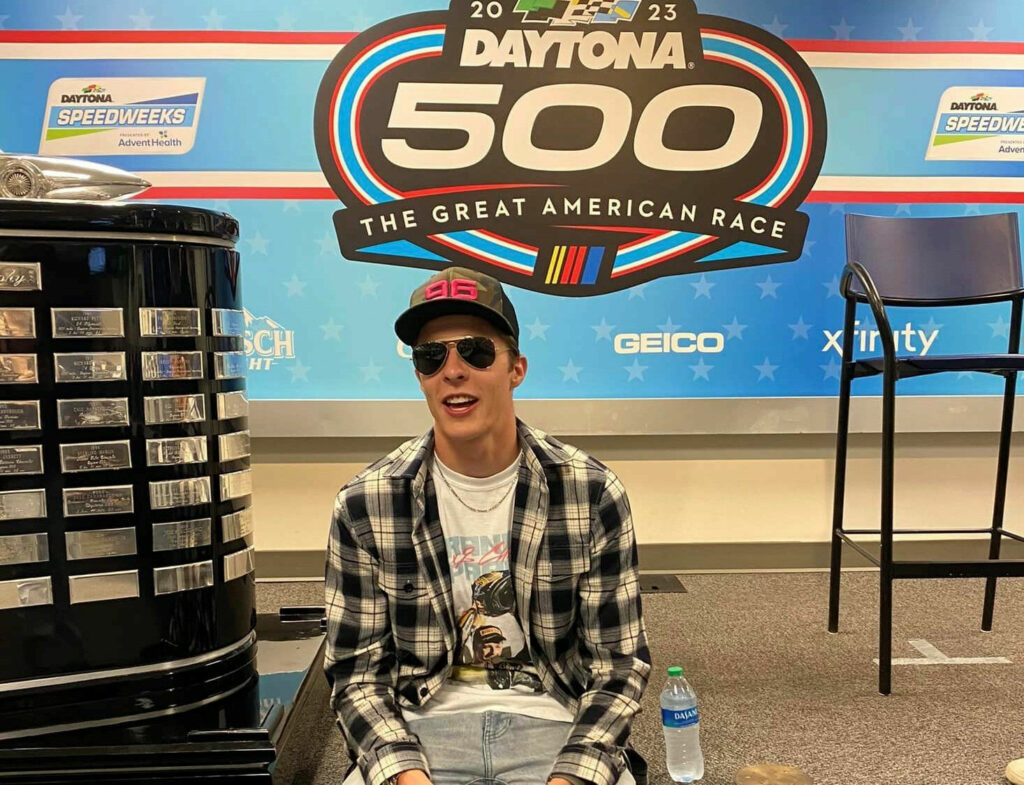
490	748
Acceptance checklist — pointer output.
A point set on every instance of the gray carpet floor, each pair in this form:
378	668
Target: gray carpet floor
774	686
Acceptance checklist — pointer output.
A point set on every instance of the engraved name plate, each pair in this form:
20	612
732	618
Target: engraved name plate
238	564
89	366
236	525
176	535
87	322
17	323
102	500
21	460
24	592
183	577
235	485
20	277
92	412
231	405
181	449
228	322
179	493
233	445
104	586
156	322
158	366
19	415
24	549
18	505
94	456
100	543
18	369
162	409
229	365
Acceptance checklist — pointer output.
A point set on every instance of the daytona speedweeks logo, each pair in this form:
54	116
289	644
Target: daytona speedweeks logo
570	147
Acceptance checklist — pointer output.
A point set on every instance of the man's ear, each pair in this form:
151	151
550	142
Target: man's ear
518	371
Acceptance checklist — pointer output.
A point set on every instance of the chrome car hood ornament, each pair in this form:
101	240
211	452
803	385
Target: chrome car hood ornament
39	177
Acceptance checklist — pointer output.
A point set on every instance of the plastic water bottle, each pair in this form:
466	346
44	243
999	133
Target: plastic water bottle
680	722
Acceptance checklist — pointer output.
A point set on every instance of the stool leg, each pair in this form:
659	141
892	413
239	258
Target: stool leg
885	557
839	486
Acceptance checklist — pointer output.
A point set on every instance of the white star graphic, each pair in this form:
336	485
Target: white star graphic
769	288
669	326
638	291
832	287
980	31
332	330
294	285
602	331
636	370
328	244
833	369
292	206
285	21
68	20
214	21
800	328
931	325
842	30
836	207
735	329
965	374
972	209
570	371
360	20
3	20
702	288
220	205
701	370
538	329
299	371
766	370
368	286
371	371
910	32
258	244
776	27
141	20
1000	328
903	209
808	245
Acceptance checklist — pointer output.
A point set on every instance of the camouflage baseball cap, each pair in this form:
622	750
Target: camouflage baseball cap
457	290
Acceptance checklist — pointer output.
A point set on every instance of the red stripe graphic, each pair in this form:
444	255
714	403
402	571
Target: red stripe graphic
171	37
570	260
578	267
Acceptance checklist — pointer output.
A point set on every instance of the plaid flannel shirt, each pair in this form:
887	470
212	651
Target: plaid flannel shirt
391	629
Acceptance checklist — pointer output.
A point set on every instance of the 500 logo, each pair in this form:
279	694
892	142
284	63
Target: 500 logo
570	146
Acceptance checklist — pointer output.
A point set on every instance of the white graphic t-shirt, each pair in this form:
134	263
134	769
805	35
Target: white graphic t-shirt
492	670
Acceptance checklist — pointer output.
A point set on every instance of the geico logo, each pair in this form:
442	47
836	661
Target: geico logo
530	49
669	343
270	343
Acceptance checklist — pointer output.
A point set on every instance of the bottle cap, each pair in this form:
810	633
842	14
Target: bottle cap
675	671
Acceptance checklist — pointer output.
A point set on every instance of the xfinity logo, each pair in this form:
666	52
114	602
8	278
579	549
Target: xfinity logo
669	343
907	340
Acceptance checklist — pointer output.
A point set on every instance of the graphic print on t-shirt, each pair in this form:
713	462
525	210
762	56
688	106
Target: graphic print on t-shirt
491	648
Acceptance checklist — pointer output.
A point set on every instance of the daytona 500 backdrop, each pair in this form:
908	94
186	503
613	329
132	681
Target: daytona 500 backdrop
662	185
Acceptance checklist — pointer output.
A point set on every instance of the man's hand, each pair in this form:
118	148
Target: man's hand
558	781
415	777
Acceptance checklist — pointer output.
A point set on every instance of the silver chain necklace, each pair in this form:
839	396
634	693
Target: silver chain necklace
468	506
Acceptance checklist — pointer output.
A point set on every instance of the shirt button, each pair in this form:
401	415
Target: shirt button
423	692
409	586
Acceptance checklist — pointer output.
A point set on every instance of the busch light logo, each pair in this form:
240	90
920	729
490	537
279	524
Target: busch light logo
266	341
679	718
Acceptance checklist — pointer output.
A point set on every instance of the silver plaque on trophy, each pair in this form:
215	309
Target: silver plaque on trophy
21	460
179	493
159	366
162	409
101	500
19	416
169	322
233	445
92	412
87	322
24	592
20	277
231	405
18	505
95	456
234	485
178	449
101	543
104	586
183	577
89	366
236	525
24	549
17	323
176	535
238	564
228	365
228	322
18	369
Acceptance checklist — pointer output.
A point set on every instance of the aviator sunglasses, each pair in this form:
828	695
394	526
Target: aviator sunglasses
429	358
